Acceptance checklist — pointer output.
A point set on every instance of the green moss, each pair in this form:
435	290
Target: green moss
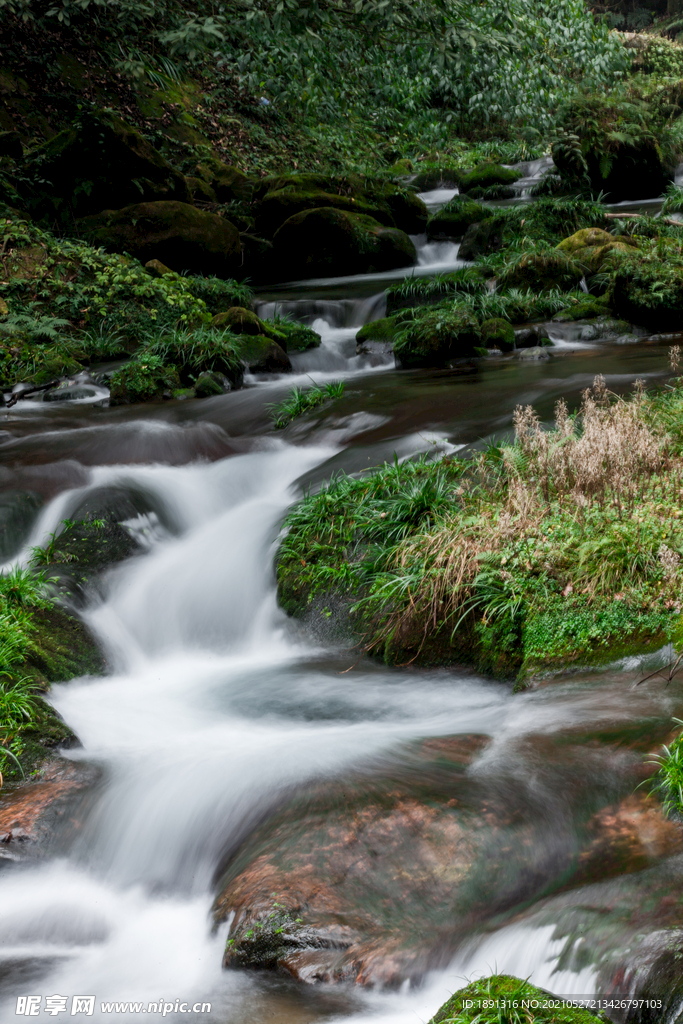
456	216
502	999
497	333
647	285
292	336
584	309
487	175
384	329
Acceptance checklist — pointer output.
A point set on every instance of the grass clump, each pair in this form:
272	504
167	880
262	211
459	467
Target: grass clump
667	782
21	592
299	402
561	547
502	999
425	291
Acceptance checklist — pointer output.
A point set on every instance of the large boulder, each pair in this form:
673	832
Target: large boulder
591	247
100	163
393	208
327	242
227	183
177	234
260	354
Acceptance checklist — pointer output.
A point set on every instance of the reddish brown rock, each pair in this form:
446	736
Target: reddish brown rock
30	810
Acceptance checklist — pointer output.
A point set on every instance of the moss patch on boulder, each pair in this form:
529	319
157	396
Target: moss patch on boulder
328	242
487	175
434	337
455	218
174	233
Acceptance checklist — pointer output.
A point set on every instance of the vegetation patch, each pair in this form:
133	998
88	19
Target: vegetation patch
562	547
502	999
299	401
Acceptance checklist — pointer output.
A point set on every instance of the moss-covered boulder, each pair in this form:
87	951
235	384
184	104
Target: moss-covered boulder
384	329
482	1001
487	175
455	218
279	206
435	337
209	384
492	193
261	354
200	190
291	336
100	163
591	248
497	333
61	648
328	242
227	183
587	308
481	238
437	177
240	321
145	379
542	270
177	234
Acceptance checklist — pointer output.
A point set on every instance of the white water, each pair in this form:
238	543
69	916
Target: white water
214	714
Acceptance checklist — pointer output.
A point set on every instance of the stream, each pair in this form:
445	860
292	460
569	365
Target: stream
218	711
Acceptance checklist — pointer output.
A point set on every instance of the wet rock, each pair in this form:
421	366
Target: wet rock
440	177
261	354
487	175
329	242
279	206
210	384
481	238
18	512
100	163
534	354
383	330
176	234
293	337
30	810
455	218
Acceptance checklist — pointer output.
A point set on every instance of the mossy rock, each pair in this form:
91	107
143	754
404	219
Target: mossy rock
481	238
176	234
497	333
583	309
143	380
240	321
584	238
486	175
227	183
209	384
384	329
435	337
437	177
279	206
200	190
100	163
649	295
455	218
543	270
291	336
402	167
328	242
61	648
261	354
481	1000
592	246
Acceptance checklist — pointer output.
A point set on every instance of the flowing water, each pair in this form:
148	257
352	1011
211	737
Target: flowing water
218	711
